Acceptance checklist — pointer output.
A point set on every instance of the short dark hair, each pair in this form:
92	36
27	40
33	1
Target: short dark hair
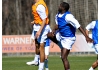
65	6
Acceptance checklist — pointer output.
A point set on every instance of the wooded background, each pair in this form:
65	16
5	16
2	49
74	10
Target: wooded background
17	14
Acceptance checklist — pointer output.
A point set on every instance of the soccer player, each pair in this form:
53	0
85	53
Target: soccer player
67	25
94	27
37	56
40	14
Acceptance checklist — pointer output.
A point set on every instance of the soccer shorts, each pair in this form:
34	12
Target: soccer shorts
67	42
43	35
58	36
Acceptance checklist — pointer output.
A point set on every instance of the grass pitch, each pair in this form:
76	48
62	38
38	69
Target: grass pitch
55	63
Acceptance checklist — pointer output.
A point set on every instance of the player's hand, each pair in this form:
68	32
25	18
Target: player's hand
32	41
89	40
37	34
54	31
32	22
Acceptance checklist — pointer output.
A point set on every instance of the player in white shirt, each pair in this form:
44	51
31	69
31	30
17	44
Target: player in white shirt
37	56
66	24
41	24
93	26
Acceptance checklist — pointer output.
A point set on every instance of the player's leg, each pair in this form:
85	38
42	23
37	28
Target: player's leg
52	37
67	46
55	38
42	56
37	53
95	64
42	40
64	57
42	49
46	57
36	58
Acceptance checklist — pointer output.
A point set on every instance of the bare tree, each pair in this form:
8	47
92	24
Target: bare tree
17	14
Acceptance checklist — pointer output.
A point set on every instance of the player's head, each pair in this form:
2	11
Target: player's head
63	7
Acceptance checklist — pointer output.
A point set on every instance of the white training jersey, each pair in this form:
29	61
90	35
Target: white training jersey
91	25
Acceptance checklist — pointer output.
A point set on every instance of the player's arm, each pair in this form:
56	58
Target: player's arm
32	41
42	14
41	28
71	20
56	25
32	38
55	28
89	27
85	34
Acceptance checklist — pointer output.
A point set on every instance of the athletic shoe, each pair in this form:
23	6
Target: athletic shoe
46	69
40	69
33	63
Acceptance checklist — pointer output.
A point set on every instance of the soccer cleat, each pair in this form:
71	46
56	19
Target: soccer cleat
40	69
33	63
46	69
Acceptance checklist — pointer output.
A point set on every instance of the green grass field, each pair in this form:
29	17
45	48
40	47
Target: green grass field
55	63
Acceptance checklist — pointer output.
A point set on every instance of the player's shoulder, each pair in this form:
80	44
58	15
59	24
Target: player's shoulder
40	7
69	16
93	22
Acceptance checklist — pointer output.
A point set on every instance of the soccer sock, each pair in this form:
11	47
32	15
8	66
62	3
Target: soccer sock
37	57
41	65
91	68
46	63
